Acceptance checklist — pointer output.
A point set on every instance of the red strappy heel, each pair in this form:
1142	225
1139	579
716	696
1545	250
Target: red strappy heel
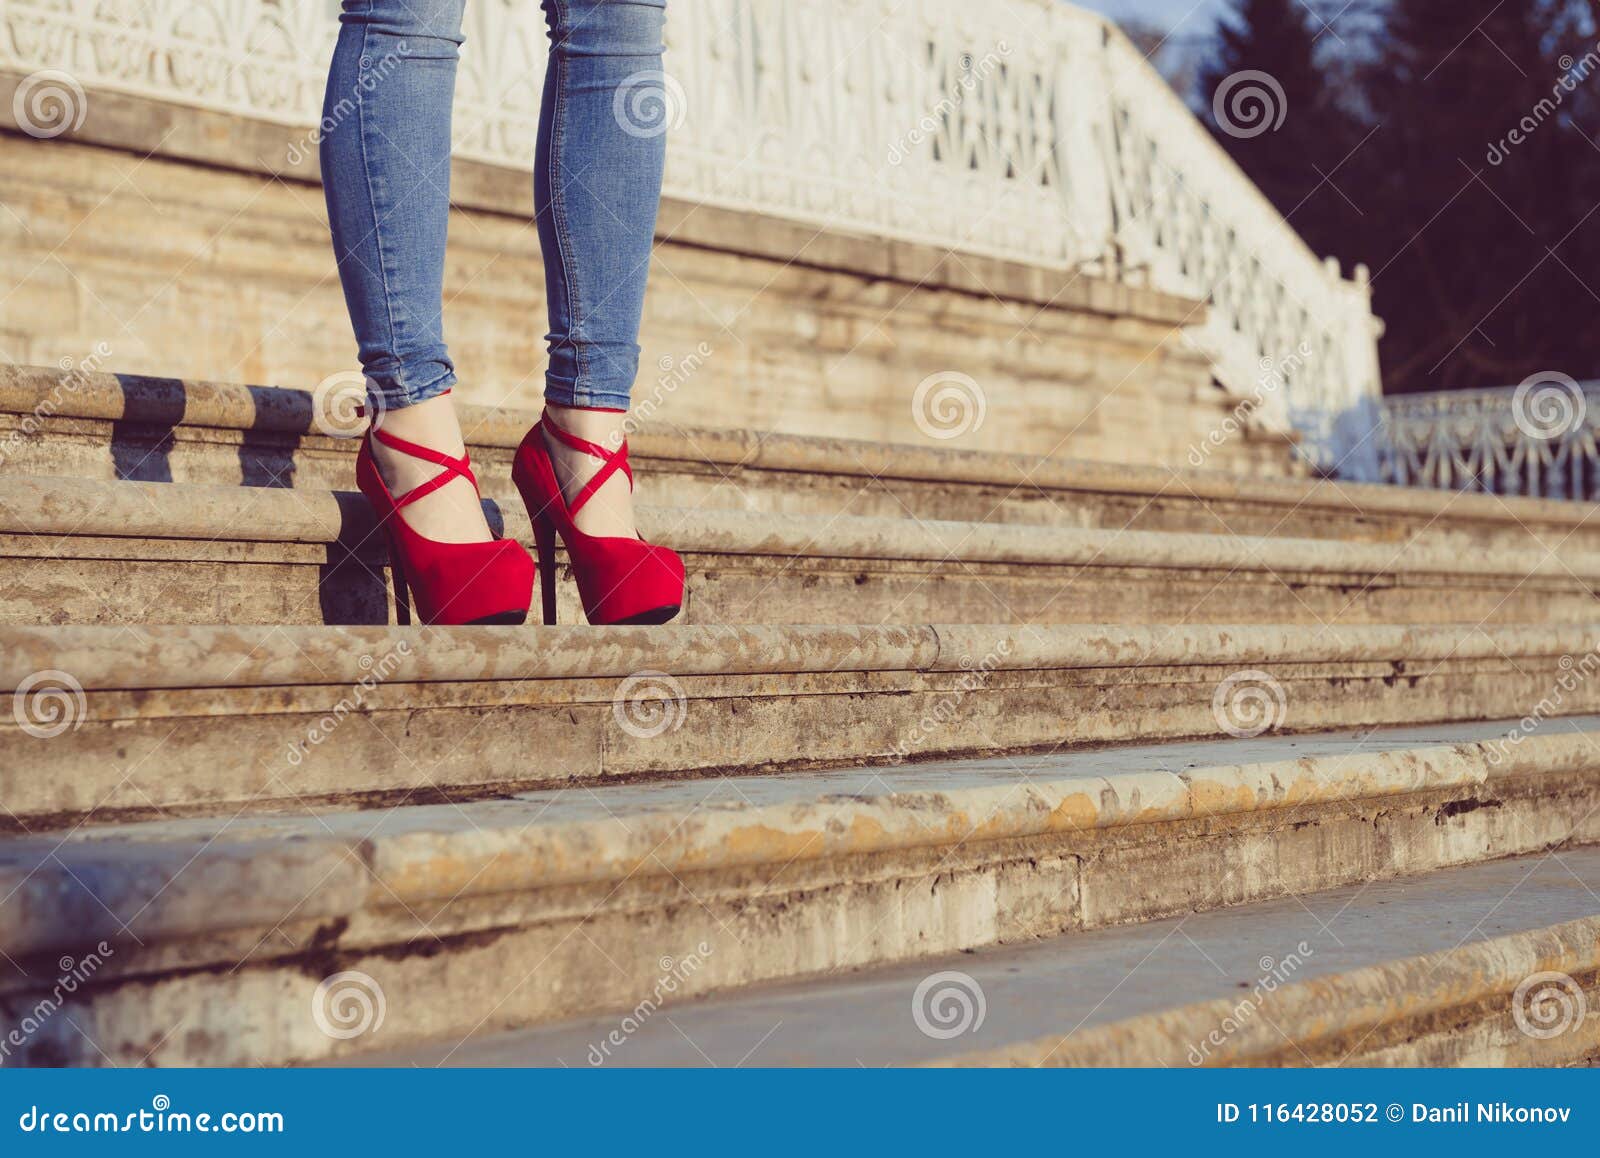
620	580
450	583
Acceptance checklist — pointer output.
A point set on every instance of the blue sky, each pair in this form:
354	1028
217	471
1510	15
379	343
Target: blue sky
1188	17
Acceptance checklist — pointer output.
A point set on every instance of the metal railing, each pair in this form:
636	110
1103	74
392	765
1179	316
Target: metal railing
1536	439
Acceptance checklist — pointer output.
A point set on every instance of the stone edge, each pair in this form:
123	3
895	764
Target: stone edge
1289	1024
79	508
418	865
184	656
53	392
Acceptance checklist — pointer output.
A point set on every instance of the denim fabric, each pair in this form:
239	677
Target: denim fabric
597	185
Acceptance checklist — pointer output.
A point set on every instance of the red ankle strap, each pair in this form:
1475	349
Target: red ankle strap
453	467
614	460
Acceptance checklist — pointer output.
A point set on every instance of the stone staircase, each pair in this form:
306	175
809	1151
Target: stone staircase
922	702
1261	984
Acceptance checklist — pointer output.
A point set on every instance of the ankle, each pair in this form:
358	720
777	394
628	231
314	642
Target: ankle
454	512
602	426
608	511
432	424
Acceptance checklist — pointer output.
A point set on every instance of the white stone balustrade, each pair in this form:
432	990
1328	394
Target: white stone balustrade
1023	129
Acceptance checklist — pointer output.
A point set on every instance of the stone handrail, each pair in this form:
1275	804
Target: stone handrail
1286	330
1029	130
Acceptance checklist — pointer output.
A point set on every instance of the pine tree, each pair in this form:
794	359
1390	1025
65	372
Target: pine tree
1458	157
1474	173
1175	57
1291	161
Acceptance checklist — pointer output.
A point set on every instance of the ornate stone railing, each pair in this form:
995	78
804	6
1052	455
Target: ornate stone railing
1024	129
1284	328
1538	439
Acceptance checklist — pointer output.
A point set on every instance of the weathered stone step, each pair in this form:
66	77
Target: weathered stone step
210	937
111	721
119	426
90	551
1431	970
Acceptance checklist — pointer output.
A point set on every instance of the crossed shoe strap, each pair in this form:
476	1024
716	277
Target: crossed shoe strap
614	461
453	467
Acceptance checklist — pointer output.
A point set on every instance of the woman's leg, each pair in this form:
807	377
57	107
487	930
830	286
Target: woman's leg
597	187
386	173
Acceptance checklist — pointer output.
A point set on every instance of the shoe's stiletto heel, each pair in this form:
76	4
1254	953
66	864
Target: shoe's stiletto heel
448	583
402	592
544	540
620	580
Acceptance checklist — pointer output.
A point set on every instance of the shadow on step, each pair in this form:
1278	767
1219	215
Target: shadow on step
152	409
266	450
355	585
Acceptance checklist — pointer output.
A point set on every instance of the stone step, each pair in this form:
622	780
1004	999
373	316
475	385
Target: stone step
90	551
112	722
251	940
104	426
1486	965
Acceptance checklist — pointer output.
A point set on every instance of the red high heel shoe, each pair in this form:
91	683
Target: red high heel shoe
620	580
450	583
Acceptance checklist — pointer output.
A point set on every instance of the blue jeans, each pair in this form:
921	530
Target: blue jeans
597	186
